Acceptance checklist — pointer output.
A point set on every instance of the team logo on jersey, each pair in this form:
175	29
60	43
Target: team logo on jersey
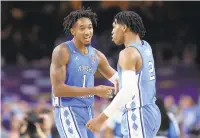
74	51
84	68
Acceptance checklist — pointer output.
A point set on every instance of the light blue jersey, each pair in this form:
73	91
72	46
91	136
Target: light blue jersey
72	113
146	77
80	73
141	117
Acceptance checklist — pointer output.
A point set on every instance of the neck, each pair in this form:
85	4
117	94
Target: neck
81	47
131	38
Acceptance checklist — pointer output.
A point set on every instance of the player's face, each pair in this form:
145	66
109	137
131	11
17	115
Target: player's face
117	33
84	31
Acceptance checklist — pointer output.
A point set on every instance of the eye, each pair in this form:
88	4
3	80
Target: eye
82	29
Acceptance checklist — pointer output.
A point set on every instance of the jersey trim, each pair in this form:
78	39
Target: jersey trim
132	46
141	103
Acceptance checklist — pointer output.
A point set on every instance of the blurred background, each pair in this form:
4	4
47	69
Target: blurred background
30	31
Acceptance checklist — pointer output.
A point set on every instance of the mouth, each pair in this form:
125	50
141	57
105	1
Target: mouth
112	38
87	38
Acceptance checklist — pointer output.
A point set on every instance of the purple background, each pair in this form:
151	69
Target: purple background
32	84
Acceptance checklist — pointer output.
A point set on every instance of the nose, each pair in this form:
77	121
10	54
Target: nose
87	32
112	32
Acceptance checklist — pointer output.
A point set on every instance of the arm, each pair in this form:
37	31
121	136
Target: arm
60	58
108	132
111	125
129	82
129	85
105	69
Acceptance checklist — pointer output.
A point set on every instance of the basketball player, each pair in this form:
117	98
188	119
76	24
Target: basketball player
141	117
72	70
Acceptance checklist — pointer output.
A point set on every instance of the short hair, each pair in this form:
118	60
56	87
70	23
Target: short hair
132	20
71	19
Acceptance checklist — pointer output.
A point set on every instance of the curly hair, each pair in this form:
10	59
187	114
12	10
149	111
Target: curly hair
132	20
72	18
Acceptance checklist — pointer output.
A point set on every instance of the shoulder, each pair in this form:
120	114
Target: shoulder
100	55
128	58
62	48
129	54
60	53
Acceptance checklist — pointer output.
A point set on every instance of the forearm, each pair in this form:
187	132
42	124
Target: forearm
129	89
109	133
122	98
64	90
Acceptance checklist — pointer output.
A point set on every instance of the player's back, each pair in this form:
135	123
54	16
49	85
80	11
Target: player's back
80	73
146	77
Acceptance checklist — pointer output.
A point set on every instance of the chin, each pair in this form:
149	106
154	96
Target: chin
120	44
117	43
87	44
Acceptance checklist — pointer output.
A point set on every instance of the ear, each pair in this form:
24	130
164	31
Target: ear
124	27
72	31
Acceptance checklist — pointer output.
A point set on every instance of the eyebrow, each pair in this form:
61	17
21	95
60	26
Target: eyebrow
83	25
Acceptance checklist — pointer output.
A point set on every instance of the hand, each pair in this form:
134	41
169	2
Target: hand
116	84
95	124
39	131
104	91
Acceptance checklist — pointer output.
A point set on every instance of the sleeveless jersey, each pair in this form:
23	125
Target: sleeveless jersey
146	78
80	73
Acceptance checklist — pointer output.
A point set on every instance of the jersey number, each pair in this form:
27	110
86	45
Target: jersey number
151	71
84	80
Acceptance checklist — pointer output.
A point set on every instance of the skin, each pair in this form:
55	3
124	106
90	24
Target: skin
129	59
47	124
108	132
82	31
